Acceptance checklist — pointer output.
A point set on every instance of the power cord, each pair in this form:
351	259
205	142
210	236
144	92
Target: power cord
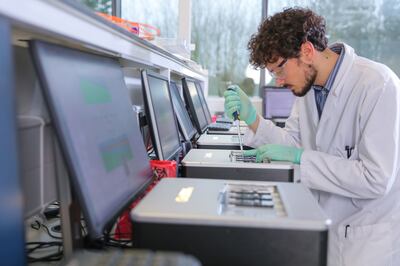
110	241
32	247
38	224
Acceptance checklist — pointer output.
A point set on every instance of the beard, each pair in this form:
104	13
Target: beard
310	76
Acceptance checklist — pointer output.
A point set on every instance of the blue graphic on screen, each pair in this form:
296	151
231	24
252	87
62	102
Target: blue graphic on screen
115	153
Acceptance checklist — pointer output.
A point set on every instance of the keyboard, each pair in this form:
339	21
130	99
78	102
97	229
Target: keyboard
224	120
134	257
219	127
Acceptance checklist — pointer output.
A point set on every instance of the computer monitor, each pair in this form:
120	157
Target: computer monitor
193	101
206	110
12	232
160	115
184	122
93	117
278	102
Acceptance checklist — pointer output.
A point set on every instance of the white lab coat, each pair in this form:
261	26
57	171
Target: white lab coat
362	192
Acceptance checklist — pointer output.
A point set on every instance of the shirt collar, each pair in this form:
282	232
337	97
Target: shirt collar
339	49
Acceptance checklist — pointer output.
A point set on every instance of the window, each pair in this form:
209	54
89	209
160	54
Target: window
371	27
221	31
104	6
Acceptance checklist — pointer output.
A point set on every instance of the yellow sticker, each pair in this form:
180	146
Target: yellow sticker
184	194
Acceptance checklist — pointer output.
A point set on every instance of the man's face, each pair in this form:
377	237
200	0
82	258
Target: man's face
294	75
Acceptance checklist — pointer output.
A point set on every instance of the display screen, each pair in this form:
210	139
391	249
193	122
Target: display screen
161	115
182	115
278	102
94	120
195	106
206	110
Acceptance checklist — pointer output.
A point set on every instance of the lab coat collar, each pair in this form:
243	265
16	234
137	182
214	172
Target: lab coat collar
337	86
322	136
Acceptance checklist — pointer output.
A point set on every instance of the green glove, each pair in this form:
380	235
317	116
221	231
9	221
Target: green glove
276	152
237	100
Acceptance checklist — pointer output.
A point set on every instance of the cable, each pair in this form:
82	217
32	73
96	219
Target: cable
37	225
84	232
112	242
49	232
150	150
108	240
56	256
40	245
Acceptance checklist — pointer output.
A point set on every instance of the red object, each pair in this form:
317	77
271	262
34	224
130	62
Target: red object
161	169
214	118
145	31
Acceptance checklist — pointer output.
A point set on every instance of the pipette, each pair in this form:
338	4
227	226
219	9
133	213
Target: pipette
236	118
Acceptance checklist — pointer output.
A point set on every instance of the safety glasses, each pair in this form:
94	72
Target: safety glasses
279	71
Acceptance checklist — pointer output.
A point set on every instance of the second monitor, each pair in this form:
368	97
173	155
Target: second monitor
185	124
165	135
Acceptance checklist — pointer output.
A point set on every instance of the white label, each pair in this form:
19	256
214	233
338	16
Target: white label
184	194
208	155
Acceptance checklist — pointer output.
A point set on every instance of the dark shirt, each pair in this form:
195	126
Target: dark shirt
322	92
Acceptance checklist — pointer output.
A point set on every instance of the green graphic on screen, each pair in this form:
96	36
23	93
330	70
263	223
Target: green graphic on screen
94	93
115	152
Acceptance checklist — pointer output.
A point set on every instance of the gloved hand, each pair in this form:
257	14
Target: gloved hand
237	100
276	152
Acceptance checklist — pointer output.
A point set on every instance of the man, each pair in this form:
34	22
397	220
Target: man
343	131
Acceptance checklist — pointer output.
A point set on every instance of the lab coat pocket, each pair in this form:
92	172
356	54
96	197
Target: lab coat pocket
367	245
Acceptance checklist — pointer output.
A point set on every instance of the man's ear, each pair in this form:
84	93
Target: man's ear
307	52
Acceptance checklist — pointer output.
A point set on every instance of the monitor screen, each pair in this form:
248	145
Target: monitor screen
192	99
161	115
278	102
185	124
12	232
206	110
100	138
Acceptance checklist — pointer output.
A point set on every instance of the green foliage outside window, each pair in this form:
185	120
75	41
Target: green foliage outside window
104	6
220	31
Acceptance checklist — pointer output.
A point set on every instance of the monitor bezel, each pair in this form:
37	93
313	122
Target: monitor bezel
190	104
96	229
188	134
151	117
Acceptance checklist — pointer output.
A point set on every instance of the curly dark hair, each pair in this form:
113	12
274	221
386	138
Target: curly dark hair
282	35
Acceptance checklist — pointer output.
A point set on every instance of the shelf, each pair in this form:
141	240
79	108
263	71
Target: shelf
73	24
